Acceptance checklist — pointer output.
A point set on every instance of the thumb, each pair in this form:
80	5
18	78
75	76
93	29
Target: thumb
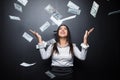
86	32
90	30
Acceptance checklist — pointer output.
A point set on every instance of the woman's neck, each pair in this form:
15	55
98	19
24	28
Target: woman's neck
63	42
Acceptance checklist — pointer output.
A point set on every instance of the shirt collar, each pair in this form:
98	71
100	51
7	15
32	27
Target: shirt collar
62	46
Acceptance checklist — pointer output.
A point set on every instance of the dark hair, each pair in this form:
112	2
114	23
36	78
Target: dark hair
58	40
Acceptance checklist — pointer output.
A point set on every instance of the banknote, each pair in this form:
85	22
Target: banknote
57	22
44	26
68	18
18	7
27	37
51	41
14	17
72	5
24	64
114	12
49	8
94	9
50	74
74	11
57	15
23	2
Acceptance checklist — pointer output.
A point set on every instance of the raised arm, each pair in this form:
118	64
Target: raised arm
84	46
45	54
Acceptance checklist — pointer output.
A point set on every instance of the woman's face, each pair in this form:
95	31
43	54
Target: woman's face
63	32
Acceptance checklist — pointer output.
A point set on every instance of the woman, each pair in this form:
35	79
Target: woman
62	52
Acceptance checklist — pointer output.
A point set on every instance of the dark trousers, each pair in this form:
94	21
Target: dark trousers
62	73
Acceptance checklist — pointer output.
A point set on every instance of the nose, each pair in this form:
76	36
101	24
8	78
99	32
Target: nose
63	29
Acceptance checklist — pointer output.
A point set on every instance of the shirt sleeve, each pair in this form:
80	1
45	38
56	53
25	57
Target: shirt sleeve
80	54
45	54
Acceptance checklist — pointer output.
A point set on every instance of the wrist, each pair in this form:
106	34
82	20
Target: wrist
39	40
85	42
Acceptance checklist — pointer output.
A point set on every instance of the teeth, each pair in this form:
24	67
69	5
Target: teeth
62	32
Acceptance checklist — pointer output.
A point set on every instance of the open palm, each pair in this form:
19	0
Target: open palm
38	36
87	33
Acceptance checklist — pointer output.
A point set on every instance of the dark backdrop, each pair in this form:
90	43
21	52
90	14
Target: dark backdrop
102	59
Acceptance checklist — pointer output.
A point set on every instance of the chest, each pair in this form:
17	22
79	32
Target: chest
64	53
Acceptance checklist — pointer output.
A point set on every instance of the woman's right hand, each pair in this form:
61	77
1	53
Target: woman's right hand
38	36
87	33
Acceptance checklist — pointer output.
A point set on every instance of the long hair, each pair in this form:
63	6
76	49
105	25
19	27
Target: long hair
58	40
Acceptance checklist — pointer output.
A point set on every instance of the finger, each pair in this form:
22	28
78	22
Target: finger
32	31
90	30
86	32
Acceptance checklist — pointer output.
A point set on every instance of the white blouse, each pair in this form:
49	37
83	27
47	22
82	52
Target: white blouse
64	58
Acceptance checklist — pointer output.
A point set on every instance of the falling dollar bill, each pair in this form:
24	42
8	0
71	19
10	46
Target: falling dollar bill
57	15
56	21
24	64
94	9
50	74
59	22
27	37
50	9
74	11
44	26
14	18
114	12
23	2
68	18
18	7
72	5
51	41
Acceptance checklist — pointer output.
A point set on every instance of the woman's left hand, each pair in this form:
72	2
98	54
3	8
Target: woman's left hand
87	33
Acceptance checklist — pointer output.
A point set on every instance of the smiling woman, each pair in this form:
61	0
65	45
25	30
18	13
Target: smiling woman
63	52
